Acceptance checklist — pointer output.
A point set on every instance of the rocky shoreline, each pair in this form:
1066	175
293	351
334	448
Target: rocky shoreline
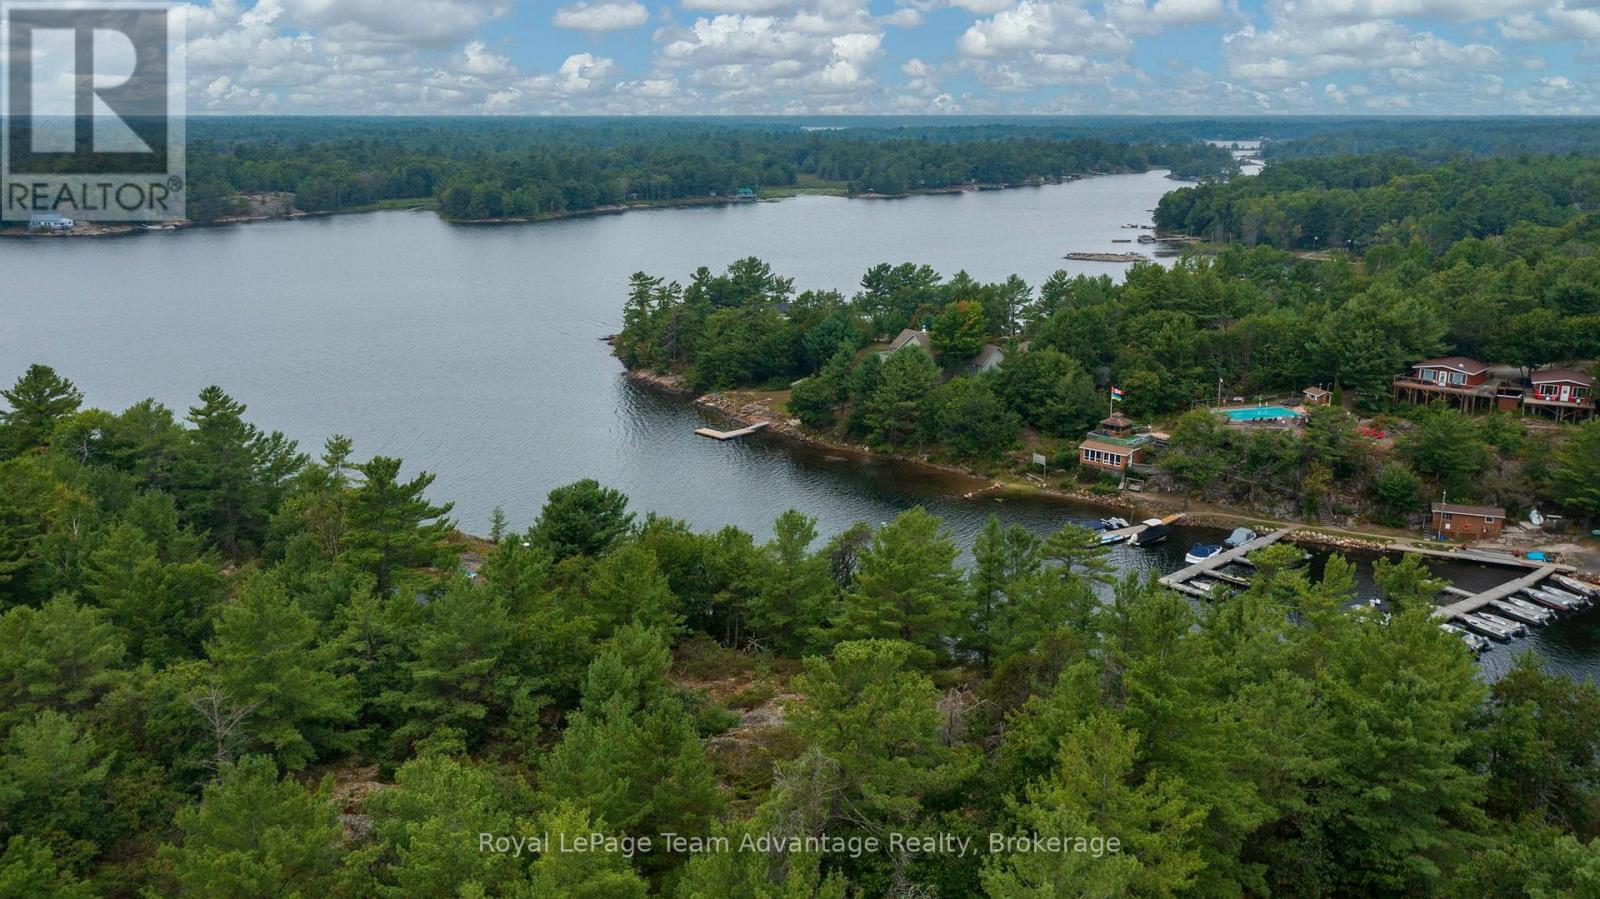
744	413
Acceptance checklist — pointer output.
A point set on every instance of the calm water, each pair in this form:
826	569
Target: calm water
474	351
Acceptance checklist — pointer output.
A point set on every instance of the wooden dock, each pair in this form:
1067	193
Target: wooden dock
1475	601
715	434
1179	580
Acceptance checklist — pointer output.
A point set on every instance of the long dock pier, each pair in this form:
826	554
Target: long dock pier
715	434
1475	601
1179	580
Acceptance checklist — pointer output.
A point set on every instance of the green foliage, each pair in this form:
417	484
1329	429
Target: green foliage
582	518
1398	492
581	875
1575	471
267	657
1447	447
60	656
1050	390
391	525
959	330
28	869
969	418
897	407
253	835
39	400
907	588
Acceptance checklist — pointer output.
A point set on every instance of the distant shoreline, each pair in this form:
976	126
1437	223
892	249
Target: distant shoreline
774	195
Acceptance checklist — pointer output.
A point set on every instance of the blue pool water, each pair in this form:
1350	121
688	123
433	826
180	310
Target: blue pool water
1260	413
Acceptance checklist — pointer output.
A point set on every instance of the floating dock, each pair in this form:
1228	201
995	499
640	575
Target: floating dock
1179	580
1472	602
715	434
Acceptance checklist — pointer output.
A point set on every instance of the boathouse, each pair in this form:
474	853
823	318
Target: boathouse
1566	393
1113	446
1468	522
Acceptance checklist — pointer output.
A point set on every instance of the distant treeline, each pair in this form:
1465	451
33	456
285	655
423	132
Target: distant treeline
478	170
1351	202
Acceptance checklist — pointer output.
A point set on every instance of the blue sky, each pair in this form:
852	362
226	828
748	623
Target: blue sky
895	56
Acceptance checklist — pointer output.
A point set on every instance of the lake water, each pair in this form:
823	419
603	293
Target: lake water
474	351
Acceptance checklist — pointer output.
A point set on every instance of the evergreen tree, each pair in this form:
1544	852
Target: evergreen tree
60	656
582	518
392	526
39	400
895	409
267	656
581	875
253	835
229	475
907	588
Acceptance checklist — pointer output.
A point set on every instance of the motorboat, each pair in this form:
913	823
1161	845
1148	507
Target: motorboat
1200	553
1473	641
1239	537
1552	600
1531	608
1482	625
1563	594
1515	627
1537	617
1152	534
1111	538
1576	586
1113	523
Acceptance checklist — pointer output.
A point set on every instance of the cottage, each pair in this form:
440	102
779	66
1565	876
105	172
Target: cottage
1113	446
989	357
50	223
907	338
1455	380
1316	396
1468	522
1567	393
746	193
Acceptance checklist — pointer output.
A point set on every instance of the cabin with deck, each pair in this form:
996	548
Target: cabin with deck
1457	381
1113	446
1317	396
1460	522
1564	393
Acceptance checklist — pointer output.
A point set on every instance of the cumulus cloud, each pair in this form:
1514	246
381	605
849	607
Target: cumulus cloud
1280	55
609	16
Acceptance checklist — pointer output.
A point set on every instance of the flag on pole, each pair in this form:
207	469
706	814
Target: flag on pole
1116	393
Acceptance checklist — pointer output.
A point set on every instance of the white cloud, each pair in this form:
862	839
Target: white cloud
1141	15
1040	25
1281	55
1368	10
605	16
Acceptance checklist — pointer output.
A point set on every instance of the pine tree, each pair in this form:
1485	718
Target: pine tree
392	526
60	656
581	875
907	588
253	836
582	518
896	408
266	654
39	400
1097	795
791	603
229	475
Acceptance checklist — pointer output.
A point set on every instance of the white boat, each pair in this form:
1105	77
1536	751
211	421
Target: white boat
1487	628
1514	627
1109	539
1473	641
1563	594
1239	537
1525	613
1152	534
1200	553
1553	600
1577	586
1114	523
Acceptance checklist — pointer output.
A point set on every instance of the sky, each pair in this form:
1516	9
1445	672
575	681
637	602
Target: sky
974	57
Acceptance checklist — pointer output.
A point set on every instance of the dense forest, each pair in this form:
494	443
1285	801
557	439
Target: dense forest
1353	202
529	168
229	669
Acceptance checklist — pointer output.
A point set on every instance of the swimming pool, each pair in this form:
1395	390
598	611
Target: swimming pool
1260	413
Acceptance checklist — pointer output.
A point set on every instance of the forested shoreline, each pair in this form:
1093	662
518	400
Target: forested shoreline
1451	271
475	173
228	668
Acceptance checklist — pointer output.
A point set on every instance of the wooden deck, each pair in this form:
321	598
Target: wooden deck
715	434
1179	580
